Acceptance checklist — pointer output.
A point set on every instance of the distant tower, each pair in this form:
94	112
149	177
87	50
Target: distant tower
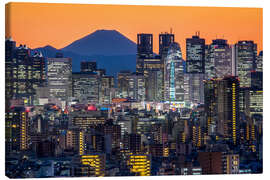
174	74
195	54
144	45
246	53
165	40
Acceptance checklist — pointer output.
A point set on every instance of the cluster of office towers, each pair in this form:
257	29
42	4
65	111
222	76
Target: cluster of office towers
213	97
168	77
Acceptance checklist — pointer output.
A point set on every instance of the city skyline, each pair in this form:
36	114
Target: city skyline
236	24
92	109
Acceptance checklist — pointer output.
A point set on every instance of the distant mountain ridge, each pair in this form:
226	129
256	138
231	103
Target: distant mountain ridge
103	42
110	49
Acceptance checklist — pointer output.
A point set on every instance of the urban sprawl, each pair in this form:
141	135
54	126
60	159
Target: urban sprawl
201	115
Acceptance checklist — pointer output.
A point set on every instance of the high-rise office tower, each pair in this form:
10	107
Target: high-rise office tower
60	77
122	83
87	66
174	74
17	127
22	75
193	85
38	71
195	54
86	87
144	50
246	53
222	108
136	86
154	85
165	40
219	61
153	68
106	89
10	47
145	45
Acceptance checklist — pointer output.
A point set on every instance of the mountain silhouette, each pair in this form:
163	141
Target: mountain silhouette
110	49
103	42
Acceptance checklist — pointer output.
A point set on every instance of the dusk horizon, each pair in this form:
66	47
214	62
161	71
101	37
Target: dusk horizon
104	90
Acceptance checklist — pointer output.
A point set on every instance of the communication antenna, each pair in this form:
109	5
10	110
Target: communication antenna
171	30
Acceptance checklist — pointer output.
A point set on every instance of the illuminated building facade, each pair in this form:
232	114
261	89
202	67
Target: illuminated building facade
193	85
17	127
222	108
91	165
255	102
86	87
85	119
246	53
25	73
232	162
139	164
123	84
106	89
60	77
153	71
136	87
174	74
195	54
10	47
219	61
144	50
154	86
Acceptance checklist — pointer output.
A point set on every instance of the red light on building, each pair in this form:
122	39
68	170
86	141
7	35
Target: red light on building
91	108
27	109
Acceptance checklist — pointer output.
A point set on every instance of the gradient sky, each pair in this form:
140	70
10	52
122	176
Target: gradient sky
40	24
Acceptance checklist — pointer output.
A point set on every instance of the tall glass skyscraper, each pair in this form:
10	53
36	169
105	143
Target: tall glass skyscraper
174	74
195	54
246	53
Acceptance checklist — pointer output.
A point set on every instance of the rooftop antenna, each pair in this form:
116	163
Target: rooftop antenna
171	30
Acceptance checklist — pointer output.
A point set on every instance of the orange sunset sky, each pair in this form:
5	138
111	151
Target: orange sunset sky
40	24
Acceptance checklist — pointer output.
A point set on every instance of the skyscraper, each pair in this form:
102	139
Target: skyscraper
246	53
10	47
22	75
59	77
17	127
144	50
219	61
195	54
122	83
86	87
165	40
222	108
106	89
136	86
145	45
174	74
193	85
